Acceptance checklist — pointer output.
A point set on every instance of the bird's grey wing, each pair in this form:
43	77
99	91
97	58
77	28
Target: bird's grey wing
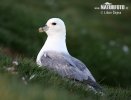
69	67
83	67
63	65
90	81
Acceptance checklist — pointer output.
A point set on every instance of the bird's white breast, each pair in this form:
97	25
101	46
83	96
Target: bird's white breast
53	43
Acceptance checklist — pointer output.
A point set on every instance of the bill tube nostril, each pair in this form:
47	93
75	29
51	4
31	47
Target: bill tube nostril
43	29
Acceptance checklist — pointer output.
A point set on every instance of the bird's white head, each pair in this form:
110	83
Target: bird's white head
54	26
56	32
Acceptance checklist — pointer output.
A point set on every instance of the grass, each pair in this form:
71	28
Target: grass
101	41
46	85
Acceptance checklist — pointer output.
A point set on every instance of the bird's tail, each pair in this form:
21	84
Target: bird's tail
93	85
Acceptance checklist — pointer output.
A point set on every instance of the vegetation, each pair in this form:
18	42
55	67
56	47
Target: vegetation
28	81
101	41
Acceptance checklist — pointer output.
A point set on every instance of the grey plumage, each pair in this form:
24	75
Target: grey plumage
68	66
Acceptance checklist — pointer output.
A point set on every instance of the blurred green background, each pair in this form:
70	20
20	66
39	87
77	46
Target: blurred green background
103	42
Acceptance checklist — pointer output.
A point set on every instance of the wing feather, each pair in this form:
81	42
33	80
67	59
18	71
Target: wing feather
66	66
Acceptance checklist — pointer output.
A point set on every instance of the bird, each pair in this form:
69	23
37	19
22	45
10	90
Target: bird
55	56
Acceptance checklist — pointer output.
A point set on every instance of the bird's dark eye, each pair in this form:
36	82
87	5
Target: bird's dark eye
53	23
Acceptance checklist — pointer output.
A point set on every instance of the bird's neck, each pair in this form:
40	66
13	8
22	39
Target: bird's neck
55	43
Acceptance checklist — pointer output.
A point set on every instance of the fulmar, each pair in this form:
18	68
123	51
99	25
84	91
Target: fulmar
55	56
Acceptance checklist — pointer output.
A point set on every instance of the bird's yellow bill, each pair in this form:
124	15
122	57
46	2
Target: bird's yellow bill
41	29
